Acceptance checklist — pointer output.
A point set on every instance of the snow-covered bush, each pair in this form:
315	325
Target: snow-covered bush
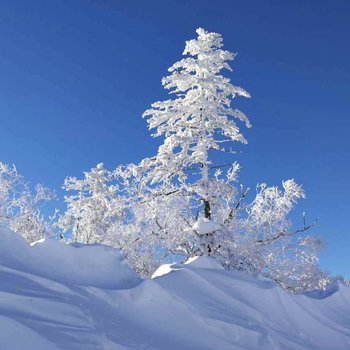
93	208
20	207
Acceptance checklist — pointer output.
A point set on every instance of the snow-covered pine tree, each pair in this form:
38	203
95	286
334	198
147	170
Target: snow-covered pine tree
199	119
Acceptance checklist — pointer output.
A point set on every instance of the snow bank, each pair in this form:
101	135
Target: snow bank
88	265
195	305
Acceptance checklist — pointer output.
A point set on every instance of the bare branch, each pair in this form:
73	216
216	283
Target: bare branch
220	166
238	205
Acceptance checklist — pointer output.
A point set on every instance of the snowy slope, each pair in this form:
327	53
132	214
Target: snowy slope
57	296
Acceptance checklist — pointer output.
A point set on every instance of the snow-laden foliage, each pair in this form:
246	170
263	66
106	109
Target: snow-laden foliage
93	207
20	207
255	237
200	118
296	268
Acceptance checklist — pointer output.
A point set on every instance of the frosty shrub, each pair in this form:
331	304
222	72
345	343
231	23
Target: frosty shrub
20	207
92	208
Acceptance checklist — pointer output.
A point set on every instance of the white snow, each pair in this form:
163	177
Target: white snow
205	226
163	270
88	265
57	296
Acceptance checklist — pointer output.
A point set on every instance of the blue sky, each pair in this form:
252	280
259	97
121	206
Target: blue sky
76	77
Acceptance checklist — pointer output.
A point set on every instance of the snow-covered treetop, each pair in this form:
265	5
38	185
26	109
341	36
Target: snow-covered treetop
201	117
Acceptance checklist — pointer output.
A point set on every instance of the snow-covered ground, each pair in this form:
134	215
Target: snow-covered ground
57	296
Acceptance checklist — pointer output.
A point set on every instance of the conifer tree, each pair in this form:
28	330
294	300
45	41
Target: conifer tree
200	118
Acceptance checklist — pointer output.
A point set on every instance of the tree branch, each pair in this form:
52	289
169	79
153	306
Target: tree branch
237	206
286	233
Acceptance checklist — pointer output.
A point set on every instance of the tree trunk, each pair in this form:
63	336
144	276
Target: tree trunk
205	182
206	209
205	172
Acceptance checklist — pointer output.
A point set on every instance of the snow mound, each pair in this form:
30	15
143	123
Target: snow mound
64	304
205	226
89	265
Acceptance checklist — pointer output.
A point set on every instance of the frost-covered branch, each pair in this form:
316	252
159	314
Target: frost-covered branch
20	207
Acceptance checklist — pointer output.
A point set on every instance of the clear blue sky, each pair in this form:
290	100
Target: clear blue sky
77	75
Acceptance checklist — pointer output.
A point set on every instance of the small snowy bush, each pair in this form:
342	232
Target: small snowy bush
20	207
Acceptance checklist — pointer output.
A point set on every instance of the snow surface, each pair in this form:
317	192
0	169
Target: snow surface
88	265
57	296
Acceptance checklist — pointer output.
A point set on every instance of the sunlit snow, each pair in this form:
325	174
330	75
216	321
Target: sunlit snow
58	296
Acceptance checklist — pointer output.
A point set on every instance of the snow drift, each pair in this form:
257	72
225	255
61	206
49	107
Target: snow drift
57	296
89	265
